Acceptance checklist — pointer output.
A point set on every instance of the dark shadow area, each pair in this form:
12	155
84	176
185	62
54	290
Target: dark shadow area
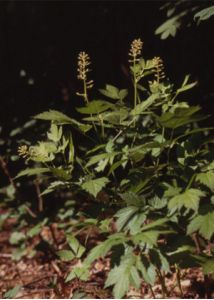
40	42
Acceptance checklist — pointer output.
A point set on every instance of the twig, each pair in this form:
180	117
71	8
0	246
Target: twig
35	292
7	172
5	255
56	268
31	213
153	294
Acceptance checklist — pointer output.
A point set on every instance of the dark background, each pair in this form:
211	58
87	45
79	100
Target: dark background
43	38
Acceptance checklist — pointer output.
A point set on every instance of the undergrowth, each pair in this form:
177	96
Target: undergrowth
140	166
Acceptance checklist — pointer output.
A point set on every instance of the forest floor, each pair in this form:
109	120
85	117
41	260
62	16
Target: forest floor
43	275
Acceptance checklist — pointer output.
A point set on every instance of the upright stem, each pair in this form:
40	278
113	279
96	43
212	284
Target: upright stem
102	126
40	199
163	285
6	171
135	83
85	94
178	276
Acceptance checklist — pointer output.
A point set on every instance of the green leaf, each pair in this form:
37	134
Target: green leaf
12	293
188	199
16	238
110	91
94	186
180	117
81	273
116	117
144	105
95	107
71	150
60	118
120	276
205	13
135	279
169	28
132	199
36	229
103	248
157	223
208	266
123	93
65	255
147	237
124	216
186	87
43	152
31	172
75	246
97	158
206	179
54	115
53	186
55	133
147	270
61	173
204	224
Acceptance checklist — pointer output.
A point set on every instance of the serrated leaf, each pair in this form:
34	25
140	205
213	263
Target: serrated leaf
205	13
155	224
97	158
120	276
81	273
144	105
110	91
188	199
95	107
180	117
204	224
55	133
31	172
43	152
65	255
53	186
147	237
102	249
60	118
147	270
75	246
94	186
124	215
135	279
206	179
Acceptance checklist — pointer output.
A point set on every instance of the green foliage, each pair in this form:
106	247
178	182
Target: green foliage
94	186
183	13
12	292
145	163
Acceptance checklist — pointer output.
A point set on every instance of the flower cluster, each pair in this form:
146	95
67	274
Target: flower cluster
136	49
159	68
23	151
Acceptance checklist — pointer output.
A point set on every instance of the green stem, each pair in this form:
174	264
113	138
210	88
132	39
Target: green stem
85	95
135	84
191	181
163	285
122	130
178	276
102	126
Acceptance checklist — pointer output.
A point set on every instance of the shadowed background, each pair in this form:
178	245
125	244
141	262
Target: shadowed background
40	42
